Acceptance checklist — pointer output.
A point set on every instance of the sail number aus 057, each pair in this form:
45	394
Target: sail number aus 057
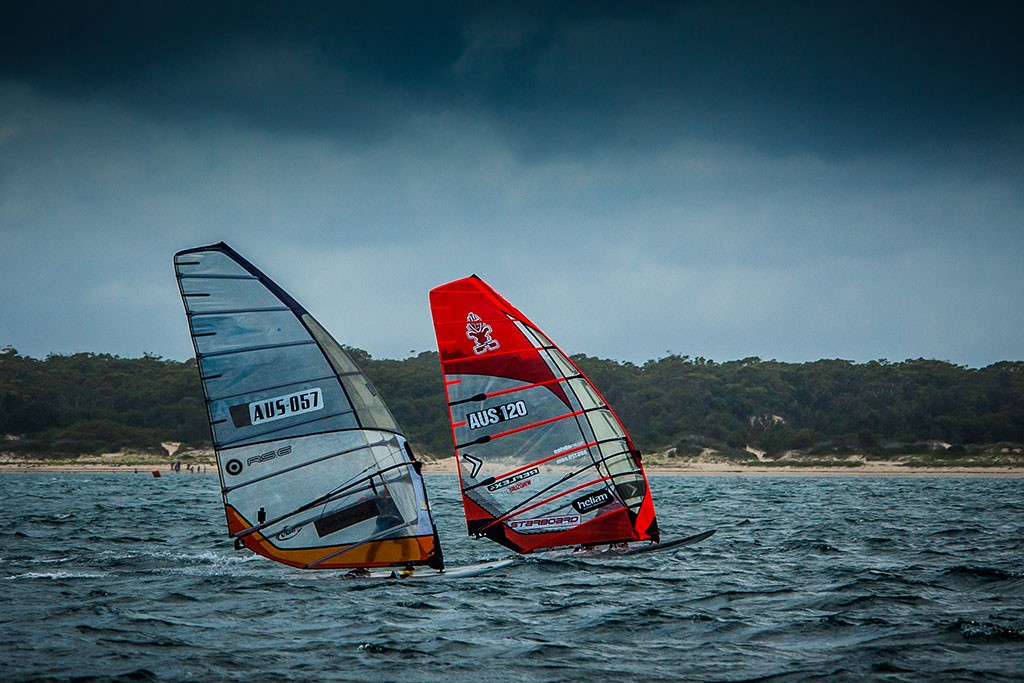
281	407
491	416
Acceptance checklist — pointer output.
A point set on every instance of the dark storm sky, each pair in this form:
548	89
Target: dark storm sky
791	180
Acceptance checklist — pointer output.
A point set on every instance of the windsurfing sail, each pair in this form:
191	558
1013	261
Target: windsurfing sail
314	470
543	460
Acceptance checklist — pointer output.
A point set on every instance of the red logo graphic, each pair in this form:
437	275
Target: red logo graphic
479	333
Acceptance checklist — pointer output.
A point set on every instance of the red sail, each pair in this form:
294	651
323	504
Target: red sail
543	460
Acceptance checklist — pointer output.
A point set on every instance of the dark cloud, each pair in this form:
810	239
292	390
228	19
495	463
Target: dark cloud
106	44
785	77
786	179
554	78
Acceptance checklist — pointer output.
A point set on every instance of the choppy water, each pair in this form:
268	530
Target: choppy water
130	578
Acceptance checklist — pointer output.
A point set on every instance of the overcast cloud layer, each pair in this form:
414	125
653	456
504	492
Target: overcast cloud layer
784	180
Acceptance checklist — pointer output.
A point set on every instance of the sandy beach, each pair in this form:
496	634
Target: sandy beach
71	468
869	469
697	469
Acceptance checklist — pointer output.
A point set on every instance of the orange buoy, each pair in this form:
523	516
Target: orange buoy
156	473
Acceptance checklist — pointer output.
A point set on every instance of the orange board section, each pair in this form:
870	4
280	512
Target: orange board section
384	553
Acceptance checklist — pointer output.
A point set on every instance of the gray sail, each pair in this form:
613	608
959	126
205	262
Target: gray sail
314	469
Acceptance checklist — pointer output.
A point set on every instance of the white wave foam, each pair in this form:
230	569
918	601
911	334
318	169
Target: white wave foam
58	575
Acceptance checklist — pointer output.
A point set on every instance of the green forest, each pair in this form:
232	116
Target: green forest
89	403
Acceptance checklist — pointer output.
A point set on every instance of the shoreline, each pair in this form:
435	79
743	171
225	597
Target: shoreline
65	468
691	470
719	469
724	470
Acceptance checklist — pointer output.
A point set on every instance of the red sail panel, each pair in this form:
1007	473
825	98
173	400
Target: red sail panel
543	460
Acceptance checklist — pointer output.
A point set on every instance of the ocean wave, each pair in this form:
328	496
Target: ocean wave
986	573
986	631
814	591
811	544
61	575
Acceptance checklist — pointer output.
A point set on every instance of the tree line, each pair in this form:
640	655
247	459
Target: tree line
88	403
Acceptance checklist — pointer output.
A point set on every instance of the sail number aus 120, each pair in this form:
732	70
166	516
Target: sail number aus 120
281	407
502	413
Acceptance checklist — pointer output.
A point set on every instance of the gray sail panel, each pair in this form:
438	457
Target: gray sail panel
260	366
344	471
598	424
368	405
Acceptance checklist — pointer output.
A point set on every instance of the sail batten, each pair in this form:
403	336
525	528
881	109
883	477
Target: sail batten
529	504
527	426
210	354
483	397
345	490
314	470
236	311
318	460
215	277
528	465
261	436
280	386
499	435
